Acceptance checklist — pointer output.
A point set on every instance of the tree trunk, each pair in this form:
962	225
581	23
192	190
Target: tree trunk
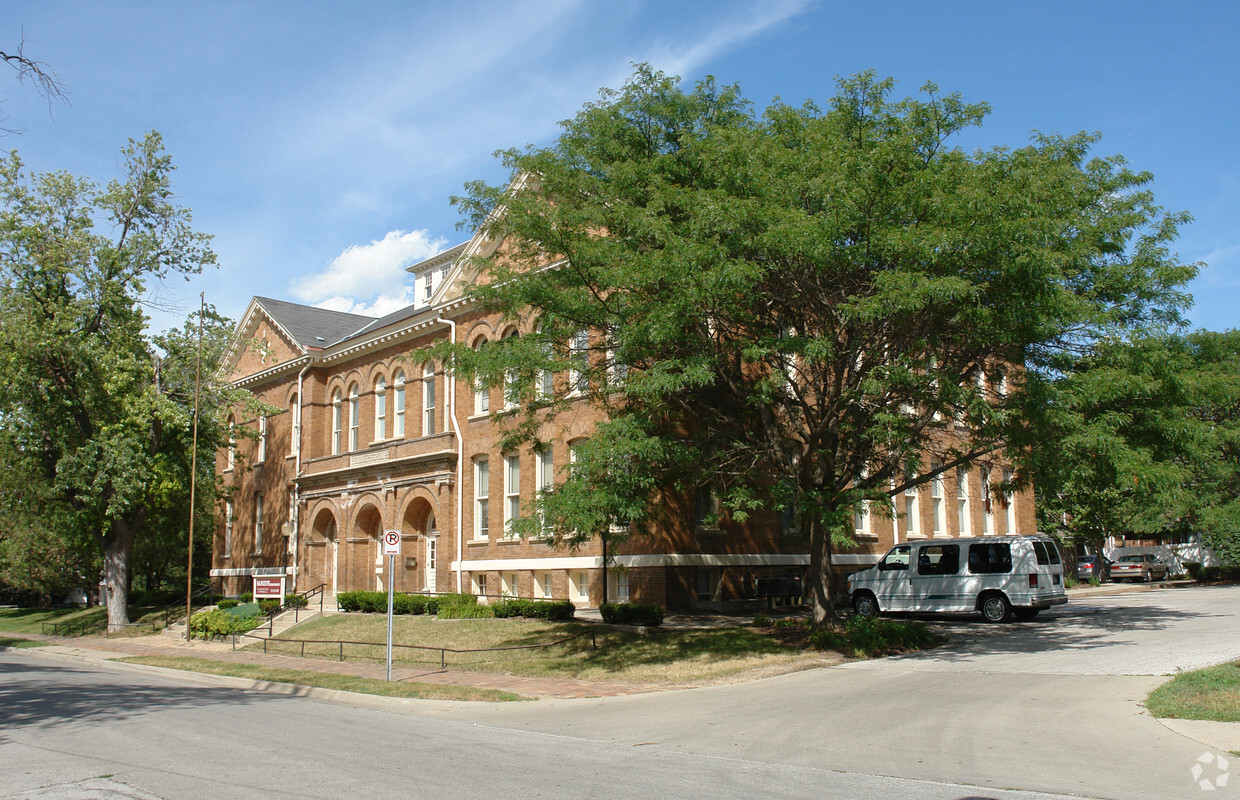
117	549
823	609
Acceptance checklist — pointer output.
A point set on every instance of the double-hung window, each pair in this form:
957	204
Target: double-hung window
398	404
482	500
380	409
428	399
512	493
355	421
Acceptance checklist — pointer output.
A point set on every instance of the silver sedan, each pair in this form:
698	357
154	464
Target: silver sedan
1139	567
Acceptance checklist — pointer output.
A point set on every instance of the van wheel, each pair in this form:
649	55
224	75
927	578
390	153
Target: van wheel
865	605
996	608
1026	613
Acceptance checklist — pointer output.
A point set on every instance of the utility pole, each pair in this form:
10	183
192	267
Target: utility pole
193	469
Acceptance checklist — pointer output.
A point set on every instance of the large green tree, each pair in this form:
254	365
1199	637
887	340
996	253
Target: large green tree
1145	439
792	307
97	420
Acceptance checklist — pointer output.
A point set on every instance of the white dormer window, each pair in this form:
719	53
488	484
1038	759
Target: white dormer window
428	286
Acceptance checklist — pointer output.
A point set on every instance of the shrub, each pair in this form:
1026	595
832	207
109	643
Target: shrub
863	637
222	604
376	603
1218	574
631	614
268	605
246	597
554	610
207	624
462	606
295	601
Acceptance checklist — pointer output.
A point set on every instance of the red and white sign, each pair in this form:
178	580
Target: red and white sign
269	587
391	543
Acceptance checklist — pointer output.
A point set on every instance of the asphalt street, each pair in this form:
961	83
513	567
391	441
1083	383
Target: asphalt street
1048	708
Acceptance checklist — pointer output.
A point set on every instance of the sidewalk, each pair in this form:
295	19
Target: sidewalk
99	649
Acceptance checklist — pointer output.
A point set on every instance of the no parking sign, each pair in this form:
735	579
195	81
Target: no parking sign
391	543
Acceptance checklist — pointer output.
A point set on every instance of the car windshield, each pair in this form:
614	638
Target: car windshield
1131	559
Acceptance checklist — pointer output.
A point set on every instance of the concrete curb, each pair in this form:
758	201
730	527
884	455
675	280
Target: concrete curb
1223	736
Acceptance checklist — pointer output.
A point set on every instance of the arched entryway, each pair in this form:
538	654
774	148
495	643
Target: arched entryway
419	542
321	553
362	551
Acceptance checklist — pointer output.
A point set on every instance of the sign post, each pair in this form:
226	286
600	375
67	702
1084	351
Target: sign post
391	547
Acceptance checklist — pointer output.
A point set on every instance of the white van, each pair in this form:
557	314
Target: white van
996	575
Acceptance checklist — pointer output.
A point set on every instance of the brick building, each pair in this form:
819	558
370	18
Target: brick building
356	439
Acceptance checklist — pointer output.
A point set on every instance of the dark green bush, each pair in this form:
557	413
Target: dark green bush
1216	574
295	601
233	603
268	605
462	606
863	637
376	603
246	597
631	614
206	624
554	610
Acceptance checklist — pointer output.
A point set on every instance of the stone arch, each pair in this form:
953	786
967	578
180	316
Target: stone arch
321	550
417	525
361	547
482	330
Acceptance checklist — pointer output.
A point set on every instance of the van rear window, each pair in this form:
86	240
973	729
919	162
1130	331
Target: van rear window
939	559
1046	552
990	558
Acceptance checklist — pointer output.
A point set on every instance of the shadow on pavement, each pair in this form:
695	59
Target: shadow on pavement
47	693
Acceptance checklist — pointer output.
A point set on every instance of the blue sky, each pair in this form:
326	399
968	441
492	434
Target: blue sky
320	142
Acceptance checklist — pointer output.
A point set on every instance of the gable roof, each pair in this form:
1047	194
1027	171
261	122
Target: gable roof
310	327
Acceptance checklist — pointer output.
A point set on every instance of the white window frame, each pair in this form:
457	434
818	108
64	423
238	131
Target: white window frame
579	585
262	438
380	409
482	497
912	512
228	528
478	584
512	389
988	508
964	522
258	523
230	458
482	392
512	493
618	586
579	353
861	512
509	585
542	585
428	399
337	419
294	439
355	413
428	287
938	501
544	464
1009	510
398	404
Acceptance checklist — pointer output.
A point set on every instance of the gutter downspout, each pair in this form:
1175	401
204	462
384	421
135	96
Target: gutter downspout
460	454
295	540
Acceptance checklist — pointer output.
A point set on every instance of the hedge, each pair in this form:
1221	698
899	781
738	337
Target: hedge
1216	574
555	610
376	603
229	603
631	614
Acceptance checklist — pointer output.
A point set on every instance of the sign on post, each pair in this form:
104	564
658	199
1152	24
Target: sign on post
391	548
269	587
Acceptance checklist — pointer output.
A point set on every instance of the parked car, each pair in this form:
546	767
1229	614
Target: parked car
1139	567
1090	566
996	575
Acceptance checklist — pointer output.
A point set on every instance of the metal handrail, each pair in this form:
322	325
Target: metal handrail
443	651
295	608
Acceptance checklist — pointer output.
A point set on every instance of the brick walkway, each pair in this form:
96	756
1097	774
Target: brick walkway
100	648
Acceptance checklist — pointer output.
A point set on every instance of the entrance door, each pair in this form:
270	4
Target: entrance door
432	554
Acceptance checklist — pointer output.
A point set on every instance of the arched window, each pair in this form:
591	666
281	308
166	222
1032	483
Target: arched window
428	398
398	403
262	437
336	421
355	418
294	424
512	390
380	409
231	457
482	392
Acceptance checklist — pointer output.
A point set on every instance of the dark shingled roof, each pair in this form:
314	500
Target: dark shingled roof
398	315
313	327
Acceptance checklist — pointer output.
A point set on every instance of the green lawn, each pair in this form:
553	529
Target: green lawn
10	641
679	657
1212	693
73	621
327	680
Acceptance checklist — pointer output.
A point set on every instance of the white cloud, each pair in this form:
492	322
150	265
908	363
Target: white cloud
369	279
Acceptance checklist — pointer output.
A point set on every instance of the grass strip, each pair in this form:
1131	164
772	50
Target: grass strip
327	680
8	641
1212	693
